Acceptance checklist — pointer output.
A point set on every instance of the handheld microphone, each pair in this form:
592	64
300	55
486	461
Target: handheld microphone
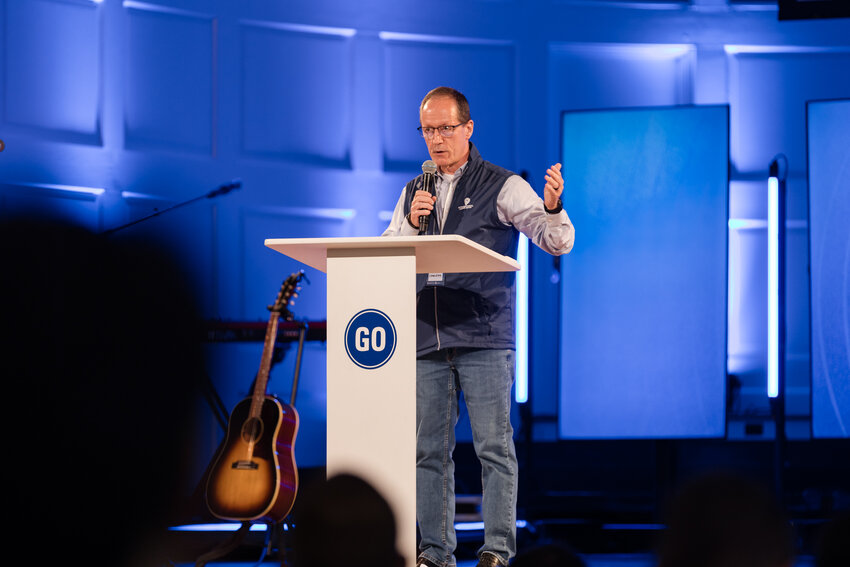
429	169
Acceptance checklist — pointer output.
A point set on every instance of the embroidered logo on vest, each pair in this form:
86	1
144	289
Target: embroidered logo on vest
465	205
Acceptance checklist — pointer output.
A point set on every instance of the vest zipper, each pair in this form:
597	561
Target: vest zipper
436	319
441	218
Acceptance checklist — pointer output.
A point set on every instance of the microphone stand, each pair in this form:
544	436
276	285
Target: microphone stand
221	190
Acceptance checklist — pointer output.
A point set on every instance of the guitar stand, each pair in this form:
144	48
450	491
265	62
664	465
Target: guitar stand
225	547
277	532
274	533
302	332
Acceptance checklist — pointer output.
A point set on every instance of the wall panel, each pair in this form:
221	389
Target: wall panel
484	71
610	75
787	77
62	203
263	269
53	73
169	79
296	86
187	232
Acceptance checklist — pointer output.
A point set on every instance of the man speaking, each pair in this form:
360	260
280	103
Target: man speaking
465	323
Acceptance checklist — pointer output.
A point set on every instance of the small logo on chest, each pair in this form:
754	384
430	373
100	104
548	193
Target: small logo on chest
465	205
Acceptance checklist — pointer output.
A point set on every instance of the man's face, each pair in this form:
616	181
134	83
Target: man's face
452	152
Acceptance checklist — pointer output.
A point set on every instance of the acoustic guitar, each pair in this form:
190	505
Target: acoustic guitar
254	476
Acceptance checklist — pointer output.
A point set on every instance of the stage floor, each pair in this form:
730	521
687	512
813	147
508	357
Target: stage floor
591	560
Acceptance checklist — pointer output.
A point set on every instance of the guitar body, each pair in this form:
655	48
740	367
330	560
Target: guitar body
254	476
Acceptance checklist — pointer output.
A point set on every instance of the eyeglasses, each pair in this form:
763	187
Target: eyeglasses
446	131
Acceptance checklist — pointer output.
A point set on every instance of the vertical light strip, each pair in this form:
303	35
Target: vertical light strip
521	388
773	286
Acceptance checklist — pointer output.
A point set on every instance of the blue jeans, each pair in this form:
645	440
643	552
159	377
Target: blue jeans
485	376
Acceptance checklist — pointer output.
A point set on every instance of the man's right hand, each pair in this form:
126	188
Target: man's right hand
421	206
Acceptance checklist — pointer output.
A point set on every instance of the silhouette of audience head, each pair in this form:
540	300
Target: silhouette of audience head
833	544
552	554
726	520
101	350
344	521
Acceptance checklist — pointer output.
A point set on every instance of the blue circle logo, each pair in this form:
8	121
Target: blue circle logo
370	339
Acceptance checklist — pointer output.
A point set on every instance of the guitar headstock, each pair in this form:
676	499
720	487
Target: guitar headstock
287	294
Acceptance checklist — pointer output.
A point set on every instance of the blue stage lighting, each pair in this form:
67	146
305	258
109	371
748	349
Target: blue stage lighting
521	383
775	281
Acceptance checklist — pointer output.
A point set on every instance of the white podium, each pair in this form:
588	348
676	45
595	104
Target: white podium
371	352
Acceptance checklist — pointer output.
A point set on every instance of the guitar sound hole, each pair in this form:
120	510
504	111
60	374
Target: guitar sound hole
252	430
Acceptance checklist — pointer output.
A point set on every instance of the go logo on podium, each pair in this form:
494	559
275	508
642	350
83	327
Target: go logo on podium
370	339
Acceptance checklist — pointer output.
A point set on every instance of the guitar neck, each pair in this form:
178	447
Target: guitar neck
279	309
265	366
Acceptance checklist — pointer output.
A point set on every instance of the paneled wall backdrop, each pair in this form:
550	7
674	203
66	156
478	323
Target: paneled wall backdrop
111	110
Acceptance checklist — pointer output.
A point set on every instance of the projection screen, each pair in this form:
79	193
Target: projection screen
643	310
829	256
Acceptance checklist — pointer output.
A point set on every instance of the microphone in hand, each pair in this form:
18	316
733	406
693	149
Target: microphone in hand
429	170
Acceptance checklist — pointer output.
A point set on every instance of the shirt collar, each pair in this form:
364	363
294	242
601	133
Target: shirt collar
449	177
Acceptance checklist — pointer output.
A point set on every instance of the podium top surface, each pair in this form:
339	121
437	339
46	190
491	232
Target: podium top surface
448	253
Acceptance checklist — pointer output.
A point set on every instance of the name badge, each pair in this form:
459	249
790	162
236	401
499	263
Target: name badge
436	279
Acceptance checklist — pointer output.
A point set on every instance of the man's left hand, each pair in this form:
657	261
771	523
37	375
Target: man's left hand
554	186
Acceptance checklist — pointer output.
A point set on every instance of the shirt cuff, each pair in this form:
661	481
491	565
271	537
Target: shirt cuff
408	229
